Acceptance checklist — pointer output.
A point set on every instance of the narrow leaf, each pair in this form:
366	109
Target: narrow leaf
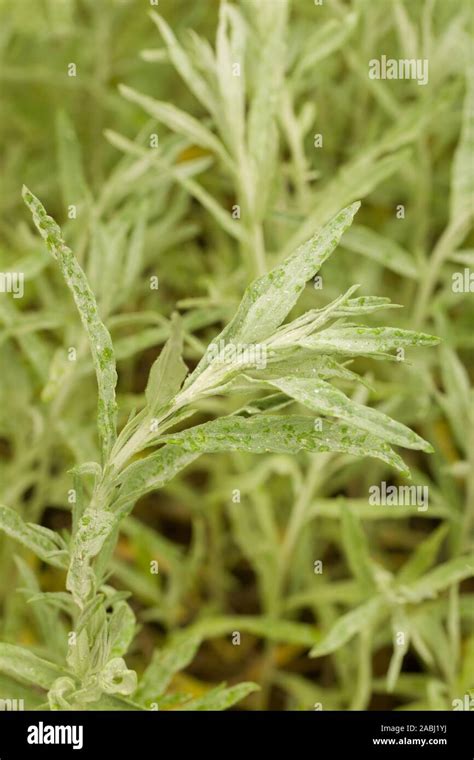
324	40
354	341
364	305
168	371
99	337
45	543
440	578
262	433
357	550
121	629
183	65
165	663
152	472
178	121
230	50
356	179
73	183
221	698
20	663
347	626
323	398
270	298
286	631
462	177
424	556
381	249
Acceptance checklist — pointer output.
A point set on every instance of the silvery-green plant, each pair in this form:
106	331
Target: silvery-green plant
236	535
303	358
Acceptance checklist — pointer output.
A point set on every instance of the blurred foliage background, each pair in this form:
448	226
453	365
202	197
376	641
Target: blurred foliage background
236	536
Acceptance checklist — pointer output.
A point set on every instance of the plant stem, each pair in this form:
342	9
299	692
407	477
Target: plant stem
298	513
468	522
451	237
294	527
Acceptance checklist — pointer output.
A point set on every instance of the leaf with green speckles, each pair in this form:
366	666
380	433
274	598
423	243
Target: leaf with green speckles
369	341
122	628
323	398
290	333
230	47
99	337
355	179
152	472
94	527
285	434
364	305
270	298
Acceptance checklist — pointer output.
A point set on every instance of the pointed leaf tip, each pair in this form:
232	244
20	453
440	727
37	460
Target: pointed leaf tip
27	195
